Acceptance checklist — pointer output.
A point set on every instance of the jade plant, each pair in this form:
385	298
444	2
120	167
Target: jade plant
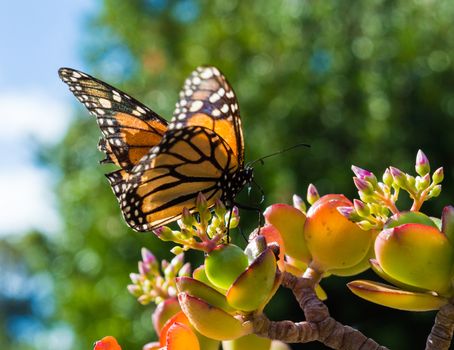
221	302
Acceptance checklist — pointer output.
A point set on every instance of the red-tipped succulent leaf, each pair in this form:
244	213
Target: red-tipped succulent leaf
200	290
163	312
335	242
181	337
289	221
418	255
107	343
410	217
396	298
211	321
180	318
253	287
272	235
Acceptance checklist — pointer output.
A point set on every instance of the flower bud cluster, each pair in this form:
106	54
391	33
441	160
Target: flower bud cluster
201	229
378	198
152	285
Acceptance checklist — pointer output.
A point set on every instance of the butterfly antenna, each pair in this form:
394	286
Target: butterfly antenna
276	153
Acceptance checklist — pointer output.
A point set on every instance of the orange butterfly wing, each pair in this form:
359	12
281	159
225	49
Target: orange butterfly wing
129	128
208	100
186	162
164	167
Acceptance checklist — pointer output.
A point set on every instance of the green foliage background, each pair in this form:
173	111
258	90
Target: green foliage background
365	83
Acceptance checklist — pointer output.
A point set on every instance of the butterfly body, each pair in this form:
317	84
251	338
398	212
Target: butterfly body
164	166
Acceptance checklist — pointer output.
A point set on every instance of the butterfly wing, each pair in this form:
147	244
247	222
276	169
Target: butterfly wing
169	178
129	128
165	167
208	100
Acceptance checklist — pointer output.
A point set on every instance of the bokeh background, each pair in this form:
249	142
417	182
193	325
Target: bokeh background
365	83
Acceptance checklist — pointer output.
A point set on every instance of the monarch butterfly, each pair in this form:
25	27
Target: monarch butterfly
164	166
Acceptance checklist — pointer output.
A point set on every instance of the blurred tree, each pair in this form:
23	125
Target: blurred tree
365	83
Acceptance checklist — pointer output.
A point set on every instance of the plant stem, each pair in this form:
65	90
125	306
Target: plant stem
389	203
319	325
441	334
418	202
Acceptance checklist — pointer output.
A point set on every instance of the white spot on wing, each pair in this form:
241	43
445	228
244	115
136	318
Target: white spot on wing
214	97
225	108
105	103
195	106
215	71
116	96
207	73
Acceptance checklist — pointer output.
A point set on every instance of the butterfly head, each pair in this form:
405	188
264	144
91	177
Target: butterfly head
232	184
246	176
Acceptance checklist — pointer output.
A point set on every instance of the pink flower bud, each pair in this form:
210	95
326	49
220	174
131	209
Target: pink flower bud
365	225
364	174
234	218
143	268
134	290
346	211
435	192
148	257
361	208
387	177
298	203
423	182
201	202
312	194
399	177
396	172
185	270
135	277
422	165
187	218
219	208
363	186
438	176
361	173
177	261
164	233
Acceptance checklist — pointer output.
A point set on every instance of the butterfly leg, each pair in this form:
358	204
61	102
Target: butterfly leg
262	193
228	226
256	209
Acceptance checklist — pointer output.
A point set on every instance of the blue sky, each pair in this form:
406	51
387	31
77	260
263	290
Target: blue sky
36	38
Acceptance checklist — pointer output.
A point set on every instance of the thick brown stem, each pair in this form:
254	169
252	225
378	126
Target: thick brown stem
286	331
328	330
441	334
